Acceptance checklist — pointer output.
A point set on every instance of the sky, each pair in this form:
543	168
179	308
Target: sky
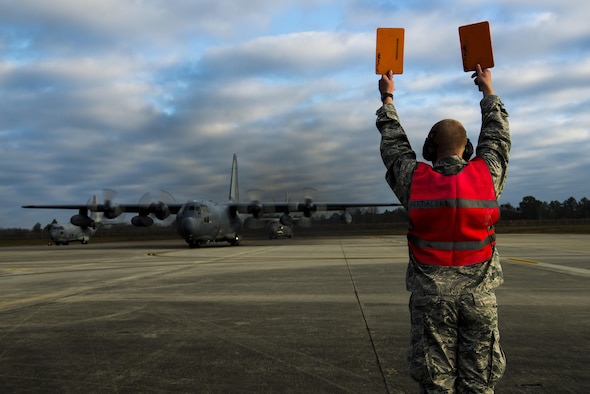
146	95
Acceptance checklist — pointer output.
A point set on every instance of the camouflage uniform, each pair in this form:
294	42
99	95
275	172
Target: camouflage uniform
454	323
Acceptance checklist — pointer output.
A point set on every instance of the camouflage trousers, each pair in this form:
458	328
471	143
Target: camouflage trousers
455	344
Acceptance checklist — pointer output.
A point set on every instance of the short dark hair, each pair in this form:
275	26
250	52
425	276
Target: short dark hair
449	135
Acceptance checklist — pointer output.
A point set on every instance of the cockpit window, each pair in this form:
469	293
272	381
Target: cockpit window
192	207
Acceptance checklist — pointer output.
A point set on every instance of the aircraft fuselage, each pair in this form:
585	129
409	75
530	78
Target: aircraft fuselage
199	222
62	234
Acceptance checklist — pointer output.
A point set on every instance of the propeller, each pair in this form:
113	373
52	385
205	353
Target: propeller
111	209
254	194
286	219
83	219
92	204
156	207
309	207
256	208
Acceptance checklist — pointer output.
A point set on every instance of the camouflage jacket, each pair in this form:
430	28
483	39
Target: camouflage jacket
400	160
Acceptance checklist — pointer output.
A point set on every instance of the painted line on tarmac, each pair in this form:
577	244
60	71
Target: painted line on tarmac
553	267
9	271
524	261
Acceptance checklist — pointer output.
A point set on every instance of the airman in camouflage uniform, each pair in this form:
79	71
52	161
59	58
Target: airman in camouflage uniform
454	323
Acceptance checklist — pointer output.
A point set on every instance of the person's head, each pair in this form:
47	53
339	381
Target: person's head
447	138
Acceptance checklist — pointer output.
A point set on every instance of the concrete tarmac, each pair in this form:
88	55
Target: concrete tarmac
313	315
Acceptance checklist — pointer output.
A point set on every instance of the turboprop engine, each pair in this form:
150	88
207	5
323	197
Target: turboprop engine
82	221
160	210
149	207
346	217
142	221
256	209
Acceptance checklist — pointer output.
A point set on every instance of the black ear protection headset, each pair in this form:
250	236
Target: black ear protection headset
429	148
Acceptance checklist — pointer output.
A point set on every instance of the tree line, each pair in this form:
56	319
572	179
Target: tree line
528	209
532	209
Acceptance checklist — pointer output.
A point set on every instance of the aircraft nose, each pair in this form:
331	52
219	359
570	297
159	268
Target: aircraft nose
189	226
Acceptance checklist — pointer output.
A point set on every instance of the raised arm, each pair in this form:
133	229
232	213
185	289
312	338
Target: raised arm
494	138
396	152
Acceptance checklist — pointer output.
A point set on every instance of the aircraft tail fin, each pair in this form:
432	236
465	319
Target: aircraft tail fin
233	185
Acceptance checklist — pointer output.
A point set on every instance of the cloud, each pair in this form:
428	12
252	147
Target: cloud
146	95
298	55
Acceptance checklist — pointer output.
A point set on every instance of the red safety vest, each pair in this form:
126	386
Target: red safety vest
452	217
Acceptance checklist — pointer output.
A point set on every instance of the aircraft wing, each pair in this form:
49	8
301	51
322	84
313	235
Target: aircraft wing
111	211
307	207
256	208
161	210
63	206
137	208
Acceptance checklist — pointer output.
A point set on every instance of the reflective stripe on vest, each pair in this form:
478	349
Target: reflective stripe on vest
452	216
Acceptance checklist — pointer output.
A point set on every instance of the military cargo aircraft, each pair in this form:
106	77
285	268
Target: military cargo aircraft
275	229
63	234
203	221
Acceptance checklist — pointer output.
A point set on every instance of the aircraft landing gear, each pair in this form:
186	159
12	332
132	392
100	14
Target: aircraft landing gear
193	243
235	241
